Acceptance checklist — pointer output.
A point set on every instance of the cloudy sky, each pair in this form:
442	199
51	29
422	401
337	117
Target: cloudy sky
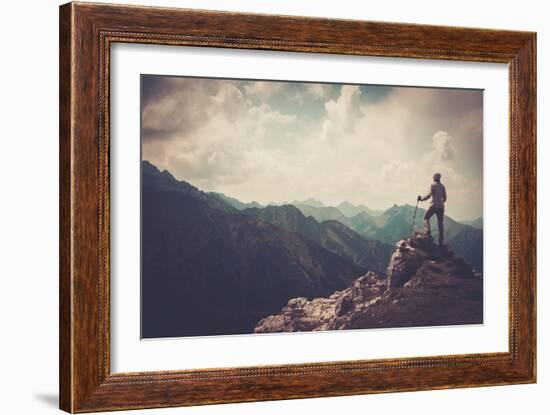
282	141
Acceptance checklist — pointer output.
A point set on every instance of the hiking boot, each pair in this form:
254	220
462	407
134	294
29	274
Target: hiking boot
425	235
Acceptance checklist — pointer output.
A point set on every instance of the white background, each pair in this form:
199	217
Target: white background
129	354
29	208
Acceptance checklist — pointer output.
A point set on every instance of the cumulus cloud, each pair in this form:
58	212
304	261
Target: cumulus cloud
443	148
245	139
343	113
414	175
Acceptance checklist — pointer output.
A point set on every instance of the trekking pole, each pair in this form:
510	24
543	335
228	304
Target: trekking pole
414	218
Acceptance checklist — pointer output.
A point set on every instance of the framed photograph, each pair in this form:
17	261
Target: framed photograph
258	207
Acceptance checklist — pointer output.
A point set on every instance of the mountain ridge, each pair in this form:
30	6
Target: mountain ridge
236	203
212	271
331	235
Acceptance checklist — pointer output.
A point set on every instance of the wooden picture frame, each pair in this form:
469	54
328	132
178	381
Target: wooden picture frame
86	33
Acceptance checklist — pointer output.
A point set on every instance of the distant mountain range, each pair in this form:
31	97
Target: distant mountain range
351	210
476	223
308	202
212	264
236	203
330	234
322	213
310	207
394	224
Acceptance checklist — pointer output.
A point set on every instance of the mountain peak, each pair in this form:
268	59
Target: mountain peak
476	223
153	177
146	164
309	202
149	169
350	210
236	203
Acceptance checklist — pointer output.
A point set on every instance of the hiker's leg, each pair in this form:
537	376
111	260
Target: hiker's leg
440	217
427	216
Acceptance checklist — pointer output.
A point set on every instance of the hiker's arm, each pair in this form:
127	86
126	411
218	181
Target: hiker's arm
444	194
423	198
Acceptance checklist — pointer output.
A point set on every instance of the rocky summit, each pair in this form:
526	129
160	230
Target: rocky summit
424	285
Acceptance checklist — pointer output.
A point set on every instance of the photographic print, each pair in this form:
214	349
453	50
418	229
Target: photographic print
274	206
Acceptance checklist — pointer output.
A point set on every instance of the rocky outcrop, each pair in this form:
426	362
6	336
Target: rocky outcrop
412	253
325	313
424	285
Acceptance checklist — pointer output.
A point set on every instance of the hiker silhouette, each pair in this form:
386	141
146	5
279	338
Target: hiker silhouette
438	196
